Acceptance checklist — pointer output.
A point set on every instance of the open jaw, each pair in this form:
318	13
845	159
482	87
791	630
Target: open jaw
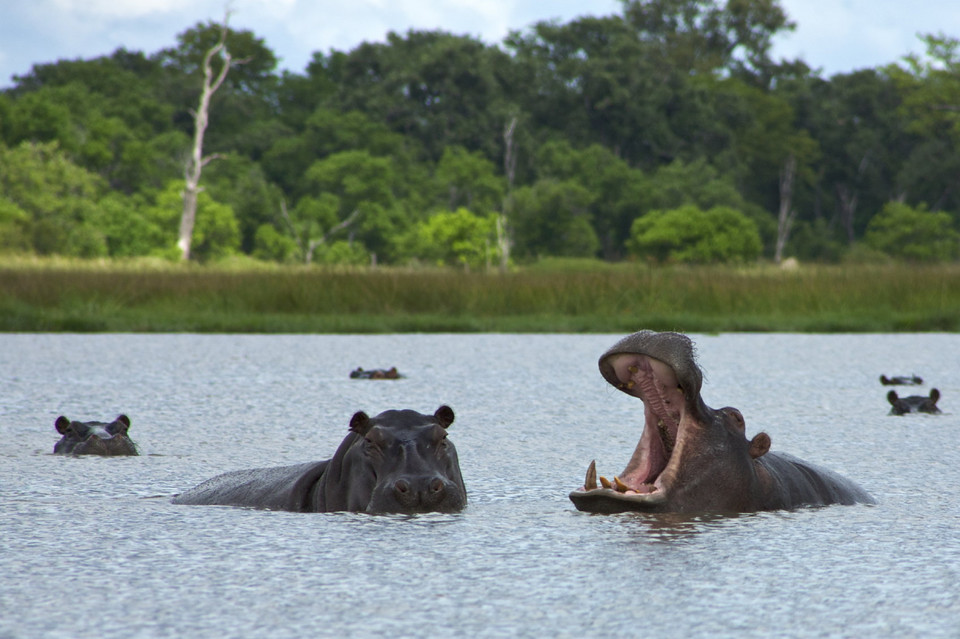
646	481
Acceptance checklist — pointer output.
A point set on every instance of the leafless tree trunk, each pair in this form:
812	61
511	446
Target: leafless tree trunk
848	200
787	212
196	161
848	208
510	170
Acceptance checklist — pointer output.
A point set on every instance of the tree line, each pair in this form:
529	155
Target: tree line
664	133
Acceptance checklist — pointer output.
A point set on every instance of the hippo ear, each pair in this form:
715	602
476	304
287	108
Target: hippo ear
123	419
360	423
759	445
62	424
934	395
444	415
892	397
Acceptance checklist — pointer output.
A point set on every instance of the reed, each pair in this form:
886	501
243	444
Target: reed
581	297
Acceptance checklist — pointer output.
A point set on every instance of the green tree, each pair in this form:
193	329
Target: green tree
437	88
58	197
104	113
128	226
914	234
618	192
14	228
707	36
367	187
552	218
455	238
690	234
930	86
469	180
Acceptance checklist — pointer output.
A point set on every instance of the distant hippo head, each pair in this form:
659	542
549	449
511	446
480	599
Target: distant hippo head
901	380
399	461
94	438
913	403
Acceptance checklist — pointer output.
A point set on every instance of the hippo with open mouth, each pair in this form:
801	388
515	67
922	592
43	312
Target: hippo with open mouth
397	462
693	458
94	438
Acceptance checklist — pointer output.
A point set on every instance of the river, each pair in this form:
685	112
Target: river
92	547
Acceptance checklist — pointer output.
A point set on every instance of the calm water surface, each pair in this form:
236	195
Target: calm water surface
93	547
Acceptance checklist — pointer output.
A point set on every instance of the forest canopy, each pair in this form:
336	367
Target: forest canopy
665	134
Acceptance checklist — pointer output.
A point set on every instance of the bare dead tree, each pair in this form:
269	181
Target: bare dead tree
849	198
787	212
307	245
510	170
201	118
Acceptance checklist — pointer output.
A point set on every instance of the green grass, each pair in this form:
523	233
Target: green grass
52	295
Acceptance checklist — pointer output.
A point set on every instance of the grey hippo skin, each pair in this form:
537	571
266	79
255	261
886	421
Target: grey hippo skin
914	403
94	438
692	458
400	461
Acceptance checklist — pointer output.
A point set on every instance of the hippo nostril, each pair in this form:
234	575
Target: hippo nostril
402	486
436	485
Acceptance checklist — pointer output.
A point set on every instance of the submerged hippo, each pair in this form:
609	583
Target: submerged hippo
375	373
914	403
94	438
901	380
693	458
397	462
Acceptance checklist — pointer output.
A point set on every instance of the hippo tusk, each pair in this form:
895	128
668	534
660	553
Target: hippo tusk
590	483
622	487
605	482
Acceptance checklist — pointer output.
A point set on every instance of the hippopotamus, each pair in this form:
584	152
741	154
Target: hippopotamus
375	373
914	403
901	380
400	461
94	438
692	458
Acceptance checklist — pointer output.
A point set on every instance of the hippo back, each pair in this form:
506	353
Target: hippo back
276	488
799	483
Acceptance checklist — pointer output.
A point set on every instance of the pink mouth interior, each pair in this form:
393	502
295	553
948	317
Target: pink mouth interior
656	384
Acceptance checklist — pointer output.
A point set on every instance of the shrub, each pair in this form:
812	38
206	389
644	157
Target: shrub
914	234
691	235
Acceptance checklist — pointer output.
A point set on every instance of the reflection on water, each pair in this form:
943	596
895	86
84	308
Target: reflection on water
520	560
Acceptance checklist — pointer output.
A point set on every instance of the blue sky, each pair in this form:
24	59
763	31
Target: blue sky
834	35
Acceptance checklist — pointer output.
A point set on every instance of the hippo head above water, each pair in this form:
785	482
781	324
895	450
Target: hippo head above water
94	438
693	458
400	461
914	403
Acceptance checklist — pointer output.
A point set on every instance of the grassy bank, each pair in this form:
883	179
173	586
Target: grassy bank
149	297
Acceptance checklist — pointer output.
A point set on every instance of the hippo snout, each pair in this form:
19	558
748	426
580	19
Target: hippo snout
422	492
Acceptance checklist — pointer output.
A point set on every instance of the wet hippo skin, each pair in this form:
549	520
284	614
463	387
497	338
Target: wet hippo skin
693	458
400	461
